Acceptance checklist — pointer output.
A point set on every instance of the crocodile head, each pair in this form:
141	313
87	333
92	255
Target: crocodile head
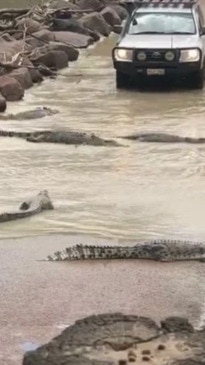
49	111
46	203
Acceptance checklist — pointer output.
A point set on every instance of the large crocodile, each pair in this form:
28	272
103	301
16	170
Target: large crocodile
162	138
29	207
160	250
36	113
61	136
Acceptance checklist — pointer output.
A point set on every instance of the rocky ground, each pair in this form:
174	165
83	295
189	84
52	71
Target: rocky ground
36	42
110	339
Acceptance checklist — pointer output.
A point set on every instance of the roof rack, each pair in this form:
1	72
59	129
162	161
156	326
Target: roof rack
132	4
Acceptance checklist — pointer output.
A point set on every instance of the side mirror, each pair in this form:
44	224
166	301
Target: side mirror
134	21
202	31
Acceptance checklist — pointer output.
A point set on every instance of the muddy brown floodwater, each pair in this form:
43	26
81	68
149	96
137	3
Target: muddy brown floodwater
145	191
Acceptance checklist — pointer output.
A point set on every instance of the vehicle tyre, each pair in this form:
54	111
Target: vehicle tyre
197	80
122	80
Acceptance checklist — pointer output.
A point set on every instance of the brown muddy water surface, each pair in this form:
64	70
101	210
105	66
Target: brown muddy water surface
144	191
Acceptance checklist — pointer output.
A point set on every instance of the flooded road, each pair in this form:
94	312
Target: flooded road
139	192
144	191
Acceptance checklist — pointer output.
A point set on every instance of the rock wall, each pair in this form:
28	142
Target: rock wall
37	42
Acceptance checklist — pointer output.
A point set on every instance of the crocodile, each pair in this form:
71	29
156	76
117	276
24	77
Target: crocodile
162	138
159	250
36	113
61	136
29	207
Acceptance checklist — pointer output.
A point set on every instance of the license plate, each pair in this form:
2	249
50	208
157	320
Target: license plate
155	71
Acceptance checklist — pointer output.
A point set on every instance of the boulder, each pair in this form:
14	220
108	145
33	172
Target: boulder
2	104
60	4
7	37
73	39
31	25
44	35
111	16
73	25
95	5
72	52
55	59
34	42
36	76
10	88
40	38
23	76
96	22
120	10
127	339
11	49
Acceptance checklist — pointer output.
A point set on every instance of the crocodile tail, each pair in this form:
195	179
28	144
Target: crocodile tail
86	252
6	133
77	252
14	134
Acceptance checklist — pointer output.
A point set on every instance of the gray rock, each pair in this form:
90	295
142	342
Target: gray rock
10	88
73	25
60	4
95	5
23	76
176	324
89	341
44	35
55	59
72	52
36	76
111	16
96	22
31	25
34	42
73	39
120	10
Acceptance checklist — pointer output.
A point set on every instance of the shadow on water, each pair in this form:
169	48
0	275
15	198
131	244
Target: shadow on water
161	85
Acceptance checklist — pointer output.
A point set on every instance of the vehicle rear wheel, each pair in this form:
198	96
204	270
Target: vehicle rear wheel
197	80
122	80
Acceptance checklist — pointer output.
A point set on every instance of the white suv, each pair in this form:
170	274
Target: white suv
161	38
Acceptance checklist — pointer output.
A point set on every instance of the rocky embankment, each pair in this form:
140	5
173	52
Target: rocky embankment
111	339
36	42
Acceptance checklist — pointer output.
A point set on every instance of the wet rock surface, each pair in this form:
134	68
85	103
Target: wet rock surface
122	339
